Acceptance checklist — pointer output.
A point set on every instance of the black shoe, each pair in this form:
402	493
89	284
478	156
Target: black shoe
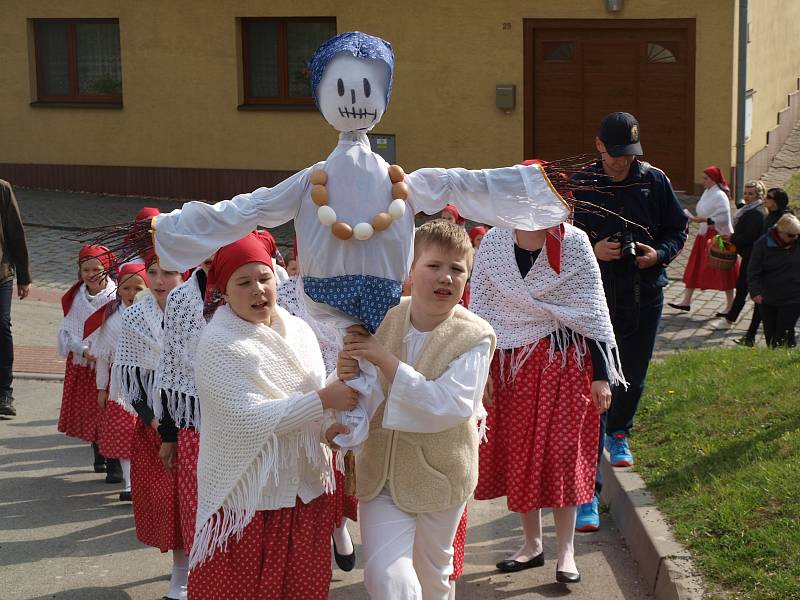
7	406
346	562
683	307
719	315
512	566
745	341
99	459
567	577
124	496
113	471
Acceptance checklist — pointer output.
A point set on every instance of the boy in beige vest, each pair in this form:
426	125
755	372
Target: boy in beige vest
420	463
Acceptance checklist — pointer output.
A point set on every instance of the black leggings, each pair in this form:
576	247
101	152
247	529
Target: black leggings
779	323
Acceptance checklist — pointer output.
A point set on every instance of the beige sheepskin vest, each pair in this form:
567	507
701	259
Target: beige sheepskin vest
426	472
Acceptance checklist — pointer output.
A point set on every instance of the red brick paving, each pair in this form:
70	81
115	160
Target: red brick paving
38	359
45	295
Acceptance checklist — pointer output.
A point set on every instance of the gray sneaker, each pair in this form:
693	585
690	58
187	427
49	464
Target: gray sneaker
7	406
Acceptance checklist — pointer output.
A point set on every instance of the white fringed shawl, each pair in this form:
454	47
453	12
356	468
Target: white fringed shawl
545	304
83	306
139	347
105	347
291	297
247	375
183	323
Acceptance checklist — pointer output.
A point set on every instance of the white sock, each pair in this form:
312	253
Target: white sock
125	463
565	537
344	543
180	575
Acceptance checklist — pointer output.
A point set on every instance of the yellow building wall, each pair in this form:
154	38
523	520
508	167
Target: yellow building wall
180	68
773	63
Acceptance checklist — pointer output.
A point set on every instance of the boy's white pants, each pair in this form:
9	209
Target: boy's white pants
407	556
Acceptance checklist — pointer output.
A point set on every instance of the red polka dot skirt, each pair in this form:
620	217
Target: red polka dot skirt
459	544
542	430
344	505
188	447
115	431
700	274
281	554
154	491
80	414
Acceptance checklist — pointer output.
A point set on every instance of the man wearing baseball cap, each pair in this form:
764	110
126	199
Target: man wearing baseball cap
641	230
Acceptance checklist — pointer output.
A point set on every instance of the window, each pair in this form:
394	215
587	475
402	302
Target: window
275	54
78	60
659	53
558	51
748	114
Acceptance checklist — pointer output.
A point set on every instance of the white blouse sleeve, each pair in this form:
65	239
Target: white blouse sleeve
419	405
187	236
518	197
101	373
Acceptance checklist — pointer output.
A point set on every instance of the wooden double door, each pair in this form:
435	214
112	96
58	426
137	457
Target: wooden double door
577	71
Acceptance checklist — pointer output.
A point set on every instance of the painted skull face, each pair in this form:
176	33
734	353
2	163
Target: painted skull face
352	92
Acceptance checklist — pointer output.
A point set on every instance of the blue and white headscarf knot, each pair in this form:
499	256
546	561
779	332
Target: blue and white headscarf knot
360	45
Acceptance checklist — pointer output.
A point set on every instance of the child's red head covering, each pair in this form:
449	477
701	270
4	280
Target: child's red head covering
128	270
98	317
147	212
476	231
251	248
101	253
715	174
268	241
454	211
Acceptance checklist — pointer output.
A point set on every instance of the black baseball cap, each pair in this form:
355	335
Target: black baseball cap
619	132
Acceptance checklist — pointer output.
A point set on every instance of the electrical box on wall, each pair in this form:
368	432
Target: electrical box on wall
505	96
383	144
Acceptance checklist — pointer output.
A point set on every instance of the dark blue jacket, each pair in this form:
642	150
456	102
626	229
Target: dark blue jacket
645	198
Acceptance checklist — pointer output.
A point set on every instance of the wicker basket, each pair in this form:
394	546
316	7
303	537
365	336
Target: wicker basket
721	254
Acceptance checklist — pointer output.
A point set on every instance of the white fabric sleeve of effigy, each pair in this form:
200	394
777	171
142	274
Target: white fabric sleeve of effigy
420	405
187	236
518	197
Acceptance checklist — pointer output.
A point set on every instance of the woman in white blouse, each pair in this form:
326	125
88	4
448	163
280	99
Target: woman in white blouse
714	217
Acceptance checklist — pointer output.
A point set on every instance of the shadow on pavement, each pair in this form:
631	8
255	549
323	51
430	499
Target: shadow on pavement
99	593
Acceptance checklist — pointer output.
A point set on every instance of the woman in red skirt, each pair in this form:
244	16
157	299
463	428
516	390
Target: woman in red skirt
154	488
714	216
79	412
118	421
264	520
556	356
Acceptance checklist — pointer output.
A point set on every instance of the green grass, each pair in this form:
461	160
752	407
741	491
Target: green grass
718	442
793	189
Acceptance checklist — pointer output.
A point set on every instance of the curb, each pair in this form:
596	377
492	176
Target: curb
664	564
38	376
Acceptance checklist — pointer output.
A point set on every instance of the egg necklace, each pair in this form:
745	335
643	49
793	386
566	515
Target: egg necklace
361	231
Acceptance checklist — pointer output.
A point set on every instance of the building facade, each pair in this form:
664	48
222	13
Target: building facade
205	99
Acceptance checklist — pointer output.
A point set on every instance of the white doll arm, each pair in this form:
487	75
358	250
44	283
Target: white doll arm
187	236
518	197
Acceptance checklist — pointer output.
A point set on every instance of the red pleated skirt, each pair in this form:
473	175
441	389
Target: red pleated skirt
80	415
188	447
459	546
542	431
700	275
154	491
343	504
115	431
281	554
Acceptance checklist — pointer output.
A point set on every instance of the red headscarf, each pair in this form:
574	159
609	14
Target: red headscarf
268	241
251	248
454	211
101	253
147	212
715	174
98	317
476	231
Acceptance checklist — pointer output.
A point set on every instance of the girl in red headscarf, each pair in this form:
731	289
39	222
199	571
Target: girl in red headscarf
714	217
263	517
118	421
476	236
79	412
450	213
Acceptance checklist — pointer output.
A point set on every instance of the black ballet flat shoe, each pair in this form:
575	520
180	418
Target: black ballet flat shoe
683	307
512	566
567	577
719	315
346	562
124	496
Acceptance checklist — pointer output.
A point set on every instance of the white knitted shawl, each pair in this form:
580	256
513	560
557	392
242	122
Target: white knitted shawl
545	303
83	306
105	347
139	347
183	323
246	375
291	297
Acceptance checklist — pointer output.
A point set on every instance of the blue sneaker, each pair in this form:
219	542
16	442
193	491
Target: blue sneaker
617	446
588	516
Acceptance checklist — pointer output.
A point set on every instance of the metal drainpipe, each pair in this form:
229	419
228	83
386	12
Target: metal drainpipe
740	104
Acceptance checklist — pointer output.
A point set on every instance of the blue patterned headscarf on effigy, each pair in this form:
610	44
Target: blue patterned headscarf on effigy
360	45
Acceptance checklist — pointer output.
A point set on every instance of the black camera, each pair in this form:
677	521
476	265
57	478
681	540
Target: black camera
627	247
